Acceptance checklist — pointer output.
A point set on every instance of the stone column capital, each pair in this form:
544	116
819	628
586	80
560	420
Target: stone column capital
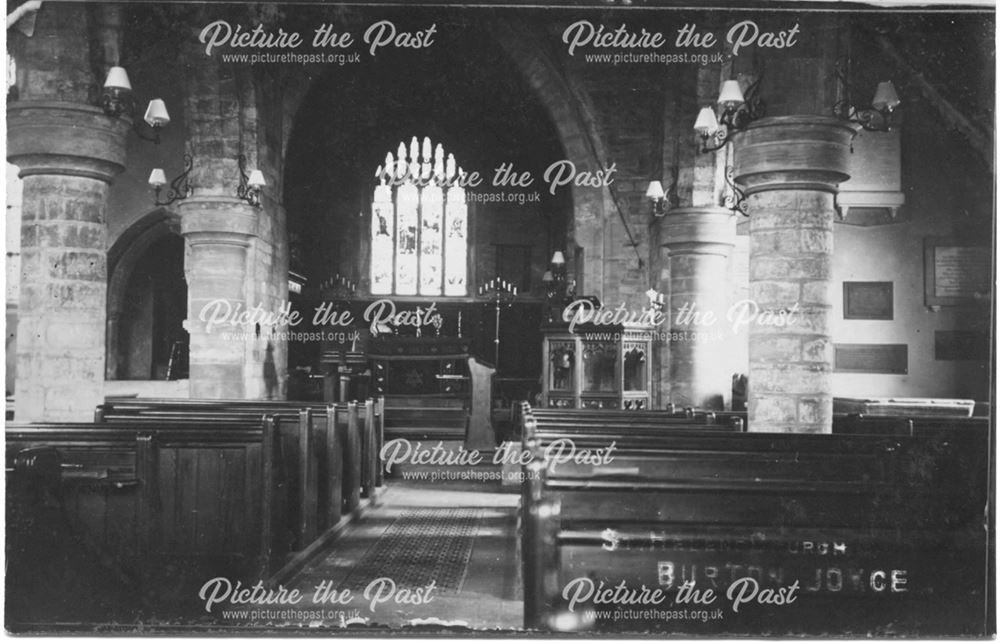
218	220
699	230
793	152
61	138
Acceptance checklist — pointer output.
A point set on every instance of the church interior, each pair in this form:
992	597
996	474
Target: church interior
620	317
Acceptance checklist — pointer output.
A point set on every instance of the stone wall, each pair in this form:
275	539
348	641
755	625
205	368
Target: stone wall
67	152
637	117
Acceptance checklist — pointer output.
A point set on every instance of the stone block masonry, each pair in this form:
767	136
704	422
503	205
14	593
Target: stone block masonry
699	240
790	167
67	155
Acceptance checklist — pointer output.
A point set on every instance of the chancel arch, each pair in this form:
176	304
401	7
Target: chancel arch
437	119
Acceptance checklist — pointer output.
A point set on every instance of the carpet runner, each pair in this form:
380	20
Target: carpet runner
421	545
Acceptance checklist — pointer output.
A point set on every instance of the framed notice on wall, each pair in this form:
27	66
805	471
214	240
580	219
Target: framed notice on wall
867	300
955	273
888	359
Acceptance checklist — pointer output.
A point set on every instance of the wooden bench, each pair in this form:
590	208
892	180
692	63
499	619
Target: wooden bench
857	423
234	412
115	408
648	421
145	505
884	534
427	423
324	465
161	506
597	429
327	466
669	415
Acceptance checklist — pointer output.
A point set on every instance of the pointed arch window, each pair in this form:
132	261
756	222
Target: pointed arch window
419	227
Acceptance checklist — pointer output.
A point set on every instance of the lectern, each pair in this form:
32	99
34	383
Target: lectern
479	434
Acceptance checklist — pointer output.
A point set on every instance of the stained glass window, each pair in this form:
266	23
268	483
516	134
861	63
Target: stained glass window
419	228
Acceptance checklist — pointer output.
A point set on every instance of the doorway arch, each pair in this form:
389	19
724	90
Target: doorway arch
147	301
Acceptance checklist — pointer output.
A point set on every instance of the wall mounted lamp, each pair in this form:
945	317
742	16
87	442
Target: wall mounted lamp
656	300
736	111
250	184
179	188
663	202
117	99
878	117
736	200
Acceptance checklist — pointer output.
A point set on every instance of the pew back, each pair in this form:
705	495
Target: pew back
215	492
149	506
879	530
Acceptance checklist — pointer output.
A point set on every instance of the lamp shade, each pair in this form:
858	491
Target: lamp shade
156	113
885	96
655	191
706	122
117	79
256	179
157	178
730	95
547	277
557	258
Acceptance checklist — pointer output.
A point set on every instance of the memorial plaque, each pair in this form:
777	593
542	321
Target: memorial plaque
954	273
961	345
867	300
890	359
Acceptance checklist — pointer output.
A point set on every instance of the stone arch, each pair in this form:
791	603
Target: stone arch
124	258
573	116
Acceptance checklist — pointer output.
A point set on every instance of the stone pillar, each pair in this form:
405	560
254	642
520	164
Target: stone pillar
699	240
790	167
217	231
68	155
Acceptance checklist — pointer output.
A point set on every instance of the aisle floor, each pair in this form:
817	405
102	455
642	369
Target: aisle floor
460	535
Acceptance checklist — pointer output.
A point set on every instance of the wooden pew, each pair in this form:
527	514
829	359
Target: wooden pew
324	466
667	416
638	421
244	498
597	429
427	423
170	408
235	412
904	514
155	507
856	423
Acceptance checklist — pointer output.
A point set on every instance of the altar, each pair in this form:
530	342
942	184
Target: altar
429	367
417	373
